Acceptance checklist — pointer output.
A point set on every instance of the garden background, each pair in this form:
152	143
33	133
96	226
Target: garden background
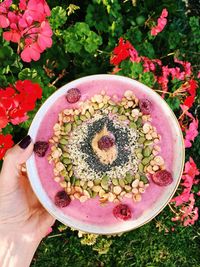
45	45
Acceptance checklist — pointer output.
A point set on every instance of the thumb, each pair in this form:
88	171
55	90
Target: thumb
11	165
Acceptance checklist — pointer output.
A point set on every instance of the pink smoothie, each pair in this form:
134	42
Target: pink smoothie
91	211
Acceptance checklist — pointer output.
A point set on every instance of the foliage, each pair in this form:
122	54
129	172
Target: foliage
85	35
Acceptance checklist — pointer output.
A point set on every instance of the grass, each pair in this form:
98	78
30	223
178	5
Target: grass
144	247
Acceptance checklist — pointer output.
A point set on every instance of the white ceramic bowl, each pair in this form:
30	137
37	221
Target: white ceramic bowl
167	194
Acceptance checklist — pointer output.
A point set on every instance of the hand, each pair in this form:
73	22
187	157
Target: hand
22	217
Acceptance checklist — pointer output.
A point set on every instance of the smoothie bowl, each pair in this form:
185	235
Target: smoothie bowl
108	154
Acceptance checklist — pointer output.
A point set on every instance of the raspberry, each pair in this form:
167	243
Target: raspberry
145	106
105	142
162	178
62	199
122	211
73	95
40	148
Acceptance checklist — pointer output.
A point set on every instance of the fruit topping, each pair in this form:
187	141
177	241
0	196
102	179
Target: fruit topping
105	142
122	211
40	148
162	178
62	199
145	106
73	95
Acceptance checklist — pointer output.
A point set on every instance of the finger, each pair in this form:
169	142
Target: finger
13	159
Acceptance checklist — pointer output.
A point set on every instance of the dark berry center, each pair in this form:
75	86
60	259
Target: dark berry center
105	142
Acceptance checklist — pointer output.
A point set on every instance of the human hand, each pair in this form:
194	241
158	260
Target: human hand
23	220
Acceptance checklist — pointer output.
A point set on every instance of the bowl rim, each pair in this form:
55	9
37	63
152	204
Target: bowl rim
136	83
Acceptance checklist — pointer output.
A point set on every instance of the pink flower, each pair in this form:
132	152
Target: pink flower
191	133
4	6
31	52
134	55
162	21
38	10
186	65
4	21
198	75
188	178
12	35
44	37
150	64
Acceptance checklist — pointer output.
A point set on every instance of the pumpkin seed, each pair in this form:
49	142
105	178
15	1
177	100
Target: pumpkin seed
115	109
78	122
115	181
68	128
138	150
96	188
133	125
121	110
122	118
127	188
77	182
83	118
88	115
137	176
141	140
139	155
94	194
90	192
97	181
104	182
63	141
139	122
129	178
69	167
131	118
147	151
66	161
144	179
72	180
146	160
76	118
71	173
140	167
148	142
67	178
65	155
121	182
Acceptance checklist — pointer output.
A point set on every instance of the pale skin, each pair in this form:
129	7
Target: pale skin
23	220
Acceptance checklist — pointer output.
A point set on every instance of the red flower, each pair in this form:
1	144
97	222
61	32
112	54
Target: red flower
192	91
6	142
3	117
17	101
121	52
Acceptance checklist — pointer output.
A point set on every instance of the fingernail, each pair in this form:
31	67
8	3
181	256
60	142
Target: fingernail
24	143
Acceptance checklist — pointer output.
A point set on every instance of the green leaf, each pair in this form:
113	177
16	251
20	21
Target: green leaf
92	42
136	69
147	78
148	50
71	42
58	17
3	80
174	39
30	74
7	57
174	103
81	29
